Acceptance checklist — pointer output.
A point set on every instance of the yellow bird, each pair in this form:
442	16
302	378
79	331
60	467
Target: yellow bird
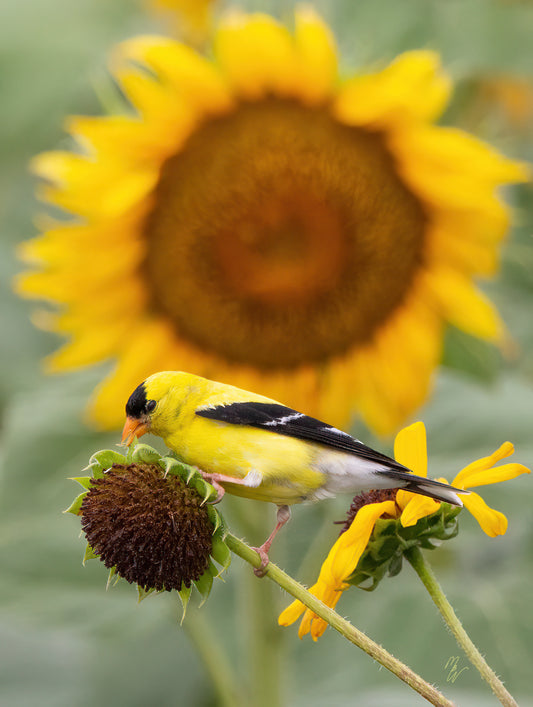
255	447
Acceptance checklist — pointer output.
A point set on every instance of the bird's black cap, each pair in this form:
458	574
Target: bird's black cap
135	407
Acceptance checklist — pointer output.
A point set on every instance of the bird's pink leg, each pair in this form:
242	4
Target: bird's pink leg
216	480
283	516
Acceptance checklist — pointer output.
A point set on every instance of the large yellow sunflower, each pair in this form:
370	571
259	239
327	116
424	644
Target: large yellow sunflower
260	221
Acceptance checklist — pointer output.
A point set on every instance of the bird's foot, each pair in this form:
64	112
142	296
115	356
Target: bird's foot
263	554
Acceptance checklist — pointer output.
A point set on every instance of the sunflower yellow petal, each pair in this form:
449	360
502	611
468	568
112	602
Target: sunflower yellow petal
492	522
90	346
292	613
256	55
148	348
413	87
505	450
330	596
463	305
447	167
410	448
317	56
103	188
346	552
495	475
433	145
187	73
418	507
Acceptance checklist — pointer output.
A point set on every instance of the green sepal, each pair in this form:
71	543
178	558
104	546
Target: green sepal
383	554
143	593
89	555
215	518
204	584
177	468
206	491
112	578
144	454
184	595
75	506
220	552
84	481
103	460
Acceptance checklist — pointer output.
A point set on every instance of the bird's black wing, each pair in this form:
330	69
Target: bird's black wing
285	421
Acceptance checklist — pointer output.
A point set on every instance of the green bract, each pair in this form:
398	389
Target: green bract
161	510
390	539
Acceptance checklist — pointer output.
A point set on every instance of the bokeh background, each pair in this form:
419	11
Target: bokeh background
64	640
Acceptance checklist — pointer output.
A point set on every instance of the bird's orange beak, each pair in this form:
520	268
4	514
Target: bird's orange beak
133	428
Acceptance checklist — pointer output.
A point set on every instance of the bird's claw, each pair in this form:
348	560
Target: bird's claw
263	554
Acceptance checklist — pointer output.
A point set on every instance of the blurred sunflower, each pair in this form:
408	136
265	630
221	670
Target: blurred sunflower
261	222
382	525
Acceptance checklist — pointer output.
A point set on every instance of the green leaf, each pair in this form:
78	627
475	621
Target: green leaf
75	506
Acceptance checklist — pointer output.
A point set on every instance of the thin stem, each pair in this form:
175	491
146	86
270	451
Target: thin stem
424	571
213	658
344	627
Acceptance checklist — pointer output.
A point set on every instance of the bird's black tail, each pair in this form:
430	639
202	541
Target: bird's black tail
428	487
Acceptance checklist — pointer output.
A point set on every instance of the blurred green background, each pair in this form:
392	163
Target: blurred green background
64	640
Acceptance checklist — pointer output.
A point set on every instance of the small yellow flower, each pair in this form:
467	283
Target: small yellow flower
348	552
260	220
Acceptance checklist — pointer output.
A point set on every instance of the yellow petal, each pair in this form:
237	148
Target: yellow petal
462	478
412	88
492	522
462	175
319	625
434	145
410	448
418	507
292	613
347	550
150	347
463	305
184	70
256	55
316	54
494	475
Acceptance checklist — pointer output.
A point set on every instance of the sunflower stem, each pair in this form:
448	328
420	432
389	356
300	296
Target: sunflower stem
424	571
214	659
344	627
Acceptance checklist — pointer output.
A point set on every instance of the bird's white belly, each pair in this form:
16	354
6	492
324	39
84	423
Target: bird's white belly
347	473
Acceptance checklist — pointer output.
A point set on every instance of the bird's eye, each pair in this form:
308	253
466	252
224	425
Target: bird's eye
150	405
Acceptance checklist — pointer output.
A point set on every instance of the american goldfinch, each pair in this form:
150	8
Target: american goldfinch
255	447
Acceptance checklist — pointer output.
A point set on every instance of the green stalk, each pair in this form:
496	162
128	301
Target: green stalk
344	627
214	659
424	571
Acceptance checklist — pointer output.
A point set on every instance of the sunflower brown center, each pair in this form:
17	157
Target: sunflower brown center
281	237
